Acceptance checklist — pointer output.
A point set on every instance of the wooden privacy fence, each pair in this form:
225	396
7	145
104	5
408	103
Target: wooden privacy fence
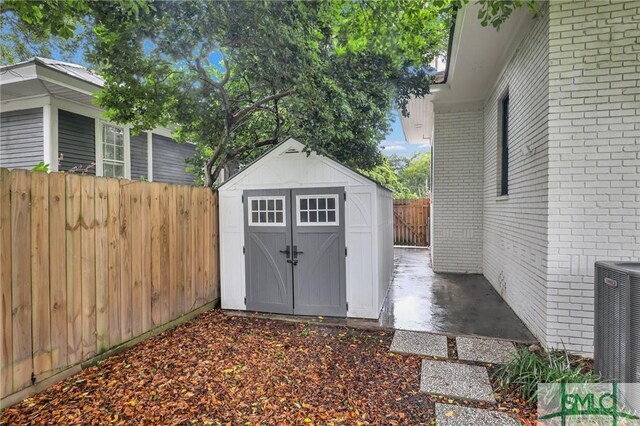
411	222
88	263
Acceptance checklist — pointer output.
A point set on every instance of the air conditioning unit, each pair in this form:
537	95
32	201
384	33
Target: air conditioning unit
617	324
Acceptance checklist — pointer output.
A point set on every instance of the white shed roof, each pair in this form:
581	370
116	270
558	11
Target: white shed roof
295	149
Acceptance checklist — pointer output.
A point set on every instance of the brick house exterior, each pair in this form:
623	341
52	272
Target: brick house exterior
572	80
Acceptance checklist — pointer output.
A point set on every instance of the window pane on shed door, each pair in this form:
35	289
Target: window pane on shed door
263	217
331	203
303	204
312	203
263	204
254	204
279	205
322	203
279	217
331	216
270	204
254	217
303	217
271	217
322	216
313	217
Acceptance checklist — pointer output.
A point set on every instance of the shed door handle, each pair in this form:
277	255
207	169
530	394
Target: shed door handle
286	251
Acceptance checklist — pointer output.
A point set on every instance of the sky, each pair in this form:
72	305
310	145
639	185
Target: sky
396	143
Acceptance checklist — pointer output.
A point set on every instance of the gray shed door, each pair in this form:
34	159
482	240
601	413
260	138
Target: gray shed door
267	236
295	251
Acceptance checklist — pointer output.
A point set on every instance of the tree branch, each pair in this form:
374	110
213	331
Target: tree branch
243	149
248	110
232	154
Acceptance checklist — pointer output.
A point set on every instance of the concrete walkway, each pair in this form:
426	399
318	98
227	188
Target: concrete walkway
453	304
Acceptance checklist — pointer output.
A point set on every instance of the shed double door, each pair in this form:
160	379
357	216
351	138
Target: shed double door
295	251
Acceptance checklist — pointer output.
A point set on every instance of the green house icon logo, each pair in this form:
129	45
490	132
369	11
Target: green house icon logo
587	402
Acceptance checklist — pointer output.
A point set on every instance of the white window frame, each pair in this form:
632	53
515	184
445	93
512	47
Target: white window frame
100	124
267	198
316	196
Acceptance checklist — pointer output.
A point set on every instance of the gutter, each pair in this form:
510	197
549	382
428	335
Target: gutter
449	45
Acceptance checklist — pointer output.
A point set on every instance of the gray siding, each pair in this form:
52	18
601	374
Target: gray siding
139	165
169	160
76	140
21	138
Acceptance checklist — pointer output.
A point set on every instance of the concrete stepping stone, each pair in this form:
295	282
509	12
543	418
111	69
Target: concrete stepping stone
455	415
413	342
484	350
461	381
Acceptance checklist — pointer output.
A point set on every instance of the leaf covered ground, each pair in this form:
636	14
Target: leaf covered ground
220	369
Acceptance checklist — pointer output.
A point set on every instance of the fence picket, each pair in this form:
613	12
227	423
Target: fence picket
88	224
40	314
6	340
125	261
165	278
102	264
189	299
156	261
136	264
205	236
58	270
196	213
179	253
21	278
145	237
173	267
113	256
74	270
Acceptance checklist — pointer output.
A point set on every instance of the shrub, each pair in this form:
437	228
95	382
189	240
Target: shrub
528	368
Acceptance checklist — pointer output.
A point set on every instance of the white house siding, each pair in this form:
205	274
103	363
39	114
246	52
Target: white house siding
515	237
594	156
457	189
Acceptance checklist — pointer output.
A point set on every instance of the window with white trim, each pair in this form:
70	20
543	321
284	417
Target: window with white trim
317	210
113	156
266	211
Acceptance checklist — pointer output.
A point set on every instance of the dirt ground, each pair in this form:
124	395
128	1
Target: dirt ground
219	369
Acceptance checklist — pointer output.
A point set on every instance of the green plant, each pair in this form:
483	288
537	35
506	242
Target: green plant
40	167
528	368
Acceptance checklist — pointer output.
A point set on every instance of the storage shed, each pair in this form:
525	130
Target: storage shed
305	235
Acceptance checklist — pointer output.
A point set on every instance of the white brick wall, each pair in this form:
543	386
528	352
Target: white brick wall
515	227
574	174
457	191
594	156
